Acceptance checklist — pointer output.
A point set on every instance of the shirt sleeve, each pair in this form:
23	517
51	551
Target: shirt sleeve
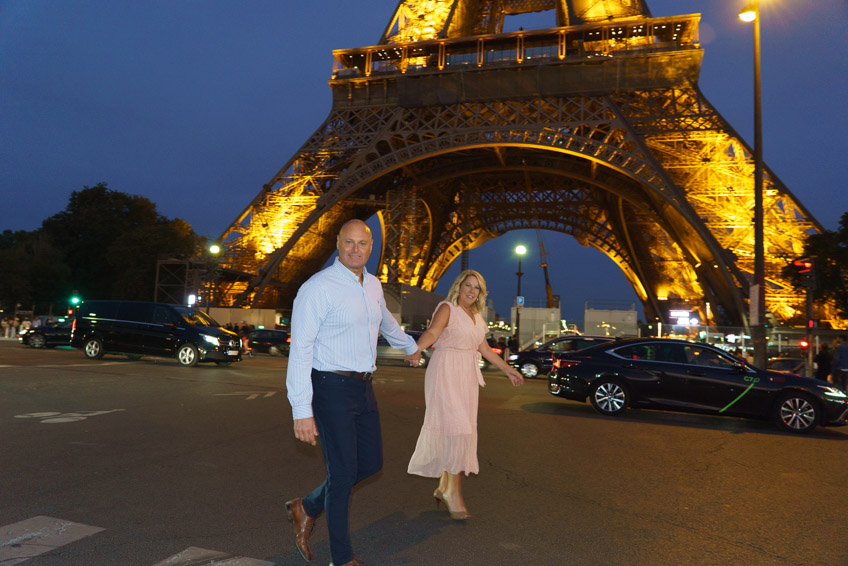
307	312
393	333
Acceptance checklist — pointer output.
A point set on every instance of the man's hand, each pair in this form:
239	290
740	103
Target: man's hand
306	431
415	359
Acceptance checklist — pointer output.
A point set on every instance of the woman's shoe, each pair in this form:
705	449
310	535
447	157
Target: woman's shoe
456	515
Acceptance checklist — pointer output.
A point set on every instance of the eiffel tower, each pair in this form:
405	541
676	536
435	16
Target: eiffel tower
454	132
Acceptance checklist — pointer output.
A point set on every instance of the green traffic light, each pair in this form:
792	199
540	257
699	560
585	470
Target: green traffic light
75	300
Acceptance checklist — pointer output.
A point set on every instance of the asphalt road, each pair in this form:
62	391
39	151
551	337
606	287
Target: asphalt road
144	463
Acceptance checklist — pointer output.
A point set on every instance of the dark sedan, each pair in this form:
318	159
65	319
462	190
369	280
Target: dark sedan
48	335
537	362
274	342
676	375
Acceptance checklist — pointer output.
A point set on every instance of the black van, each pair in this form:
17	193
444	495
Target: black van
138	329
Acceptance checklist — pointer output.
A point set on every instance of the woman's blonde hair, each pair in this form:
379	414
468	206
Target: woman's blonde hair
453	294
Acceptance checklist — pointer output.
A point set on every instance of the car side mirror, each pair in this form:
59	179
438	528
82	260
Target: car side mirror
741	367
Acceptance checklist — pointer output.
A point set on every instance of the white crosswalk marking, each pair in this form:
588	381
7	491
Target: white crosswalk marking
25	539
194	556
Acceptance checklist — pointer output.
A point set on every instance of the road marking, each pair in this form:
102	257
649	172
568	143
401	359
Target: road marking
193	556
251	395
21	541
63	365
80	365
54	418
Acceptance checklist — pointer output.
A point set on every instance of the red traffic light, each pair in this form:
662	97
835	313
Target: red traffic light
806	265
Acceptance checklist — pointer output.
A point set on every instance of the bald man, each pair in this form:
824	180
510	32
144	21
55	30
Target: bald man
338	314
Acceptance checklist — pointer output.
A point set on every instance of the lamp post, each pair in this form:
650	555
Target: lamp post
519	251
212	275
757	295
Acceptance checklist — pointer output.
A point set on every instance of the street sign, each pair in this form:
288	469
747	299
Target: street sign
519	301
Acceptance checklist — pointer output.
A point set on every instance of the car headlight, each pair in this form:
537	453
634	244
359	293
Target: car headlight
212	339
513	357
831	391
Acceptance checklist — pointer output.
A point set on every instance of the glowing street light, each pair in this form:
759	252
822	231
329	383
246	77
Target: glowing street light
757	296
519	251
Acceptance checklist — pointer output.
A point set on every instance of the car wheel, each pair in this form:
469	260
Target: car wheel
796	411
37	341
93	348
529	369
187	355
609	397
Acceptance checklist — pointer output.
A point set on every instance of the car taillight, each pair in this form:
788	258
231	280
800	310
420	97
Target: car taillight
498	351
565	363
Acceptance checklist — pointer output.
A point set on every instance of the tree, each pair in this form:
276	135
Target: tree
34	271
111	241
830	252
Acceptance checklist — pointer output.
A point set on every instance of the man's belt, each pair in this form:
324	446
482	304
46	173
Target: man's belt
363	375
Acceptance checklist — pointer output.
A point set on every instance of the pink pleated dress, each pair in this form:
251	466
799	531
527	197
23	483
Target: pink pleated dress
448	439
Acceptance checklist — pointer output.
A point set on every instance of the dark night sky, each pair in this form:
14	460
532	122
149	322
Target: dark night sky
196	104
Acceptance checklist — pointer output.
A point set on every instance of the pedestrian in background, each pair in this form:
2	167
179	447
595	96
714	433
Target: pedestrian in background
447	445
839	363
244	336
337	316
822	361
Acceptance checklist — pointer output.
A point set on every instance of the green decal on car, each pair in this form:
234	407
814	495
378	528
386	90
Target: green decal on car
753	380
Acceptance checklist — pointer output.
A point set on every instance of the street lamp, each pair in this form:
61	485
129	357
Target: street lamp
212	275
757	296
519	251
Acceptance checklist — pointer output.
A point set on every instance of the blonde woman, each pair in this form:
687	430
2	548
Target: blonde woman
447	445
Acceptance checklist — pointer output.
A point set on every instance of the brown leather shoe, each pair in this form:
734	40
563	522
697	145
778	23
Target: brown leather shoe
303	525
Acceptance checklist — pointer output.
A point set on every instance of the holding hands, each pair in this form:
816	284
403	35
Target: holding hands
414	359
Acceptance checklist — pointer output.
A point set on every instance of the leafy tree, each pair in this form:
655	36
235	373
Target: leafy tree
111	241
34	271
830	250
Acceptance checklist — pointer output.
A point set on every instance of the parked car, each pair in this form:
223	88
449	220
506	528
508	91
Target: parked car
48	335
387	354
676	375
274	342
787	365
537	362
136	329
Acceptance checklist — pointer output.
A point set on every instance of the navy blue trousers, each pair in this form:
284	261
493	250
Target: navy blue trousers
348	422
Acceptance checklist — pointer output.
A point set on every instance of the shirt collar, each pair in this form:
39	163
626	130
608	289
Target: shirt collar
338	265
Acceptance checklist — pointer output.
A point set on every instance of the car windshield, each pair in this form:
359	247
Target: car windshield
196	317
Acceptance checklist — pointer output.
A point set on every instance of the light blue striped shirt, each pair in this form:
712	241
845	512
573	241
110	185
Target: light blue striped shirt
334	326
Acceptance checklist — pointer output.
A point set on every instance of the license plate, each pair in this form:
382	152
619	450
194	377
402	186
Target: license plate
232	352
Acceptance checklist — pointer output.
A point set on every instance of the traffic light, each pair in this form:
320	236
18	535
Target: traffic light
804	343
806	270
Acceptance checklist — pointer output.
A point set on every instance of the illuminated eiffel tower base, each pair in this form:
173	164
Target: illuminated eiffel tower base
455	133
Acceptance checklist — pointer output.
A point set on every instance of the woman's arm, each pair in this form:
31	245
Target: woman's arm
494	359
437	325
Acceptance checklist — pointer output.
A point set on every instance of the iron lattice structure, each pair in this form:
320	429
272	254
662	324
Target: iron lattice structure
455	133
